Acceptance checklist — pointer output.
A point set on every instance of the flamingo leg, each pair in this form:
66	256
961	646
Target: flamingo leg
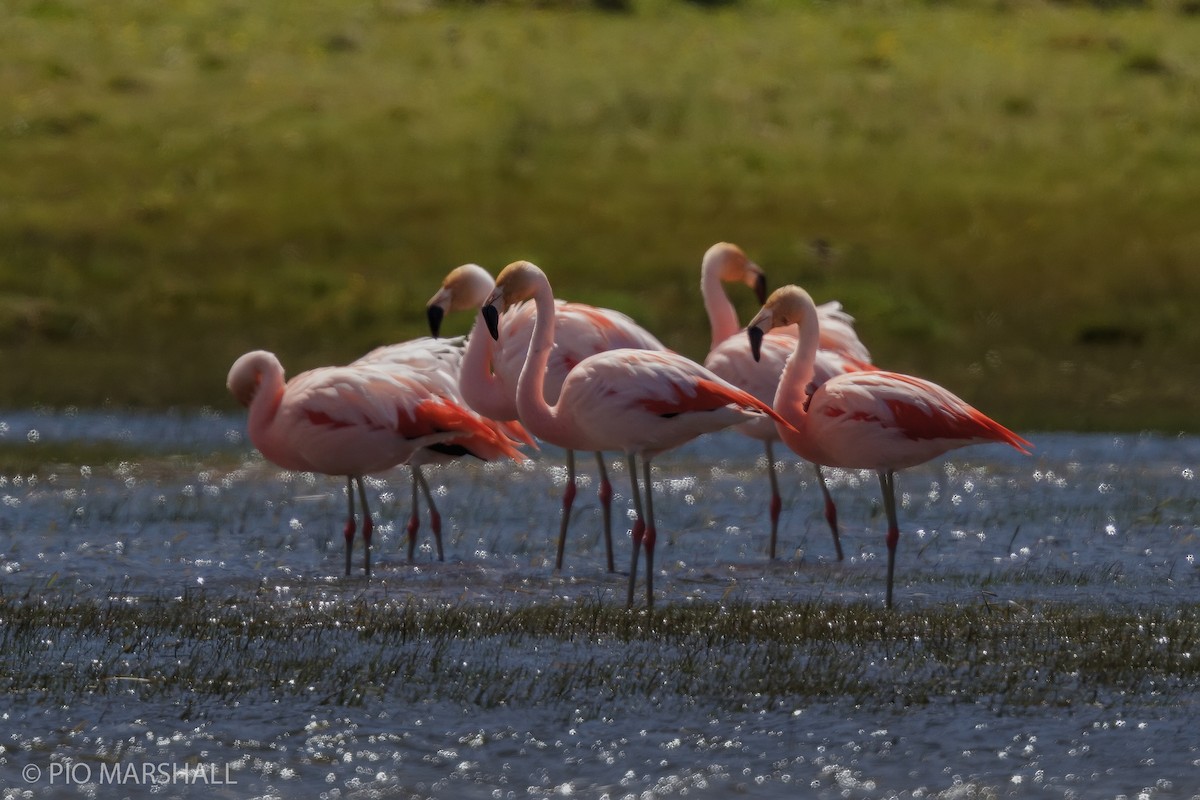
414	519
367	528
830	512
605	495
567	501
650	534
776	500
887	482
350	528
435	518
639	527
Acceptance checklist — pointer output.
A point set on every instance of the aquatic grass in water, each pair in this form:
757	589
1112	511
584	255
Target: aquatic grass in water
182	600
344	648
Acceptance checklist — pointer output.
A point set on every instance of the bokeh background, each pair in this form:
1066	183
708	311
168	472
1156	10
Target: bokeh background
1006	194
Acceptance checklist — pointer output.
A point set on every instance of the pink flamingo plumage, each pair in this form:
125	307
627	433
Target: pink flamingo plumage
491	369
436	363
840	351
641	402
353	421
884	421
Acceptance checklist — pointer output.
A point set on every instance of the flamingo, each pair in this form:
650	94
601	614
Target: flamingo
353	421
436	363
491	369
641	402
884	421
840	351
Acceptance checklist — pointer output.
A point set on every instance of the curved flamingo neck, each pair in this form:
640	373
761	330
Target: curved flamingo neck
540	418
480	388
722	316
260	423
791	398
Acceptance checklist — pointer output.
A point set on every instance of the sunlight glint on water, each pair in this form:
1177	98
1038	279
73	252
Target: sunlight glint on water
1087	519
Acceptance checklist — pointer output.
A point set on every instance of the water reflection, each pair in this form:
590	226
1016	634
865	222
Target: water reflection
1087	519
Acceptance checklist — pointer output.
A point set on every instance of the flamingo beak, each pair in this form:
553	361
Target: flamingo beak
435	313
760	288
492	317
756	336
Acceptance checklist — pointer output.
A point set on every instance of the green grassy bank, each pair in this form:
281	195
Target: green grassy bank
1005	195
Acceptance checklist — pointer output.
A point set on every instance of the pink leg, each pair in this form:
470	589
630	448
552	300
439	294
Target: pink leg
414	521
606	495
435	519
350	528
650	534
830	512
567	501
367	528
887	482
776	500
639	529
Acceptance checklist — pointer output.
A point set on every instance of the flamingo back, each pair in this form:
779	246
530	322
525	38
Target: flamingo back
650	401
877	419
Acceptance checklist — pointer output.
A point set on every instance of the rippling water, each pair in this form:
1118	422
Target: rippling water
1094	519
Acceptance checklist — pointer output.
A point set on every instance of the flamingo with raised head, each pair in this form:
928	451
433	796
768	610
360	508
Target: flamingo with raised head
491	369
353	421
840	351
640	402
883	421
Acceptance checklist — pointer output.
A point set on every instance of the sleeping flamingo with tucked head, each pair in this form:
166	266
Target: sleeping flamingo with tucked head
436	363
884	421
491	369
640	402
354	421
840	351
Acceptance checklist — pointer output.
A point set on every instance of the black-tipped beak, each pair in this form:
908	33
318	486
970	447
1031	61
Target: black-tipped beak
760	288
756	336
492	317
435	314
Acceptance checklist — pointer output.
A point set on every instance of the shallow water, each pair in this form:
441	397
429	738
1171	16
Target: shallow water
1097	520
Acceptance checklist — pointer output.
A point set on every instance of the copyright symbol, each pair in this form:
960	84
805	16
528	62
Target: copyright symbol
32	773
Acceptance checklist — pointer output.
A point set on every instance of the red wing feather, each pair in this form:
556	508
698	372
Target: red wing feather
442	416
958	421
707	395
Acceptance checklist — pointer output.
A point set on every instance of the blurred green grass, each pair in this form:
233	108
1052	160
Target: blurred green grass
1005	195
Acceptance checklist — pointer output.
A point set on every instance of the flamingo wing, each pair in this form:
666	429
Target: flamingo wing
437	362
642	400
356	420
838	333
731	360
862	418
590	330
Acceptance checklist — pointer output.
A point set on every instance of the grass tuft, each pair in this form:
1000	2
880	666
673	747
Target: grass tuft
199	648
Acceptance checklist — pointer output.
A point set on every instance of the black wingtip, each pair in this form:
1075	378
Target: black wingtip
435	314
756	336
492	317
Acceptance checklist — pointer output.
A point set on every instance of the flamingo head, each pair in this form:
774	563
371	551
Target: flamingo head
464	288
787	305
248	373
515	284
732	265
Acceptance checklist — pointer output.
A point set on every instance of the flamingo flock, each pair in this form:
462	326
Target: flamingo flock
535	368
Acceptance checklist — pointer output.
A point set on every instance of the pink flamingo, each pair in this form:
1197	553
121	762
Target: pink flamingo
641	402
436	363
491	369
840	351
877	420
353	421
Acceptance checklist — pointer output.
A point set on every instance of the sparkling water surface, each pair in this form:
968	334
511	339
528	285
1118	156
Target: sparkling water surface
1092	519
